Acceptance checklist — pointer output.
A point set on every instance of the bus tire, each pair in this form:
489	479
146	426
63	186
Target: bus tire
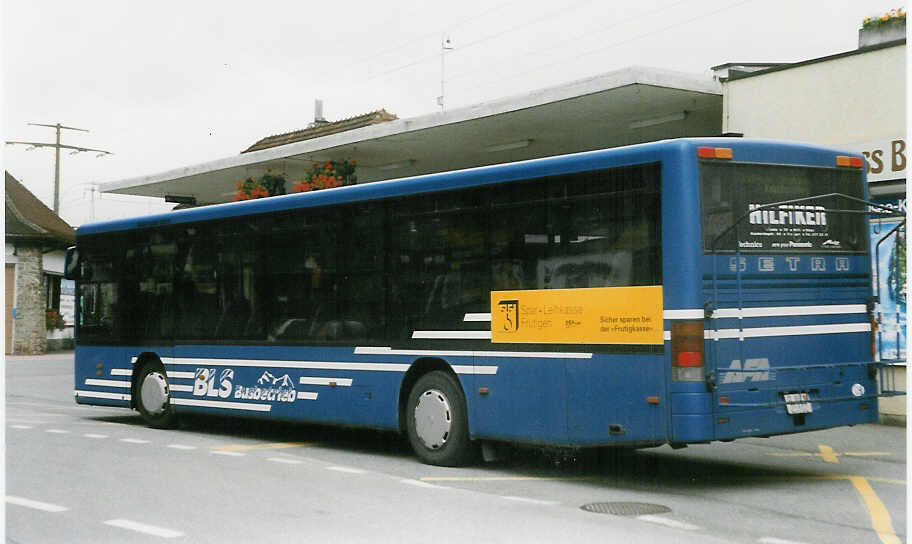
437	421
153	397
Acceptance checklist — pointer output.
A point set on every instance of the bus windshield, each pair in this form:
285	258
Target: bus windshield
731	190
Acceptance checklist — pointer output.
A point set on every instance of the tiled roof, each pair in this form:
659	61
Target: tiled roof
323	129
27	218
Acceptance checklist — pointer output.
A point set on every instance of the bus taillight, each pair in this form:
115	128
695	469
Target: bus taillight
687	351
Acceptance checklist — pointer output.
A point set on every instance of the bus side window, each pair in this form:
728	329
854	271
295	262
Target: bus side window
439	261
100	307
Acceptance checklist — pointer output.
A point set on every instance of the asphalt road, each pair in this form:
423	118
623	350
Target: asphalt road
92	474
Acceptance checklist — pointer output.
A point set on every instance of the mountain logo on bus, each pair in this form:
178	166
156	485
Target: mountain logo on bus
269	379
270	389
510	309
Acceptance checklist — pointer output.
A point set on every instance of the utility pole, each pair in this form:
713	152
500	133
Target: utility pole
445	45
58	146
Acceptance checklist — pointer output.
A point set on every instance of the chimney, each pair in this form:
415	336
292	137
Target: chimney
318	113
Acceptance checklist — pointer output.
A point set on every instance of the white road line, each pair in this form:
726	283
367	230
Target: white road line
668	522
227	453
181	447
134	440
284	460
28	503
22	426
530	501
94	435
348	470
419	483
774	540
143	528
57	431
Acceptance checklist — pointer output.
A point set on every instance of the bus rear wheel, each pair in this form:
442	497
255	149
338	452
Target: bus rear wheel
437	421
153	397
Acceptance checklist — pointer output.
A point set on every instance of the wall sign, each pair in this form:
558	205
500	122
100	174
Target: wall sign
886	159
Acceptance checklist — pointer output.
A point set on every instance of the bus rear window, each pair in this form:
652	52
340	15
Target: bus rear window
731	190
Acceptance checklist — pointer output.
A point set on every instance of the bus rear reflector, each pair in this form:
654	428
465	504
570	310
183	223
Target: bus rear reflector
687	351
714	152
852	162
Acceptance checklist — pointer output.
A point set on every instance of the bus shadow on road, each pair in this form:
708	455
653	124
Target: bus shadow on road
229	429
649	469
645	469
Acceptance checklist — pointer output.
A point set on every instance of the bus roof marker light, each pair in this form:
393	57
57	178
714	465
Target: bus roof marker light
714	152
851	162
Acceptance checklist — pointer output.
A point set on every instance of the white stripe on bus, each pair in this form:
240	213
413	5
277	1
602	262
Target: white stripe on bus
121	372
452	335
101	395
317	365
306	395
769	311
763	332
324	365
683	314
477	370
311	380
181	388
181	375
249	406
481	318
108	383
377	350
779	311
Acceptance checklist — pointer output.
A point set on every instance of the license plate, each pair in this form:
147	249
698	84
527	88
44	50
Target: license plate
797	403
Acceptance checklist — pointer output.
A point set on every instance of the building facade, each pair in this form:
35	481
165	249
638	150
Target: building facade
39	302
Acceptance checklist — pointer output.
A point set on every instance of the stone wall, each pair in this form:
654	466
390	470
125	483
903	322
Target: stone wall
30	336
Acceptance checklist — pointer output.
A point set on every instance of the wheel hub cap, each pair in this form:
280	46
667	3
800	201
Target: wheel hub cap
433	419
154	393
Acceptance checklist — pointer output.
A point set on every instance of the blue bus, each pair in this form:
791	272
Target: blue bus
676	292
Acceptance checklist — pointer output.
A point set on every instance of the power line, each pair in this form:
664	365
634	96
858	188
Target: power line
57	147
514	28
577	56
576	38
433	34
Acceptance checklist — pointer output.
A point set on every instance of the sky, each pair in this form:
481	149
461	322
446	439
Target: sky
170	84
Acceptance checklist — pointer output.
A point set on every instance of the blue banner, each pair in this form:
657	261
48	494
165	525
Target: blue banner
889	262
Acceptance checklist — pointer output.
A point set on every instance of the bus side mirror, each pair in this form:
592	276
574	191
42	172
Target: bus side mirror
71	266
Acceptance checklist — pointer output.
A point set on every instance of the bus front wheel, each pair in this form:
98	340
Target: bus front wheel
153	397
437	421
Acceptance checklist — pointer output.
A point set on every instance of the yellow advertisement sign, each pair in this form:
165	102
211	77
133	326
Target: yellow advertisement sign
604	315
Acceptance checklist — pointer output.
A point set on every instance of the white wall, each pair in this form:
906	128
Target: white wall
856	98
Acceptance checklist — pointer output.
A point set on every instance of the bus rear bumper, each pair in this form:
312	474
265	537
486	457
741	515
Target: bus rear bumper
767	421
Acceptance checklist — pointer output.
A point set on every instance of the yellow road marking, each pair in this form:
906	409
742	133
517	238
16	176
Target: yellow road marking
887	480
880	518
828	454
272	446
